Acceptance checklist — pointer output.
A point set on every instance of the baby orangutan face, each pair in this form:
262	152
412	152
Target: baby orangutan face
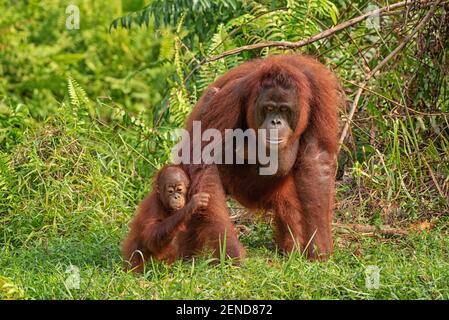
173	186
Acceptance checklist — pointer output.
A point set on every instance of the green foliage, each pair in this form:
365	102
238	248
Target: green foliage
77	94
199	17
80	164
38	53
9	291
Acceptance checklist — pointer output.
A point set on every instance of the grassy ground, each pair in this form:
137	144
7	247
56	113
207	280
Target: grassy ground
415	267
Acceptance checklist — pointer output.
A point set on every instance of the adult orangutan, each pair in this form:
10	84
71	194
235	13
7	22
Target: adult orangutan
298	97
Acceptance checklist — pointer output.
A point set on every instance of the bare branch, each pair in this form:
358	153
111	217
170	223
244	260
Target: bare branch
385	230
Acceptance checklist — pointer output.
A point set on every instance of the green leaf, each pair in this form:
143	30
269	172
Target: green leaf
333	17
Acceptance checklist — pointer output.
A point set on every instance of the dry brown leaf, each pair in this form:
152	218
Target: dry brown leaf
421	226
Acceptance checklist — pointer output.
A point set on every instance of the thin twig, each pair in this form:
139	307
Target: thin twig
385	230
434	179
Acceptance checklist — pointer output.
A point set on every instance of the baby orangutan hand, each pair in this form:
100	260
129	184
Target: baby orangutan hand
199	201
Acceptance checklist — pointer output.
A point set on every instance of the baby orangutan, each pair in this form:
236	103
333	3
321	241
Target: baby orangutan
160	219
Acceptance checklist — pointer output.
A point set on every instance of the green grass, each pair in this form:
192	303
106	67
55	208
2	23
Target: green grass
415	267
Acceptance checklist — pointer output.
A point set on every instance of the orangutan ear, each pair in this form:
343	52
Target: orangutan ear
156	188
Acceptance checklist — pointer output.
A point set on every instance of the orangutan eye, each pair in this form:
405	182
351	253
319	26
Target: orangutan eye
269	108
284	109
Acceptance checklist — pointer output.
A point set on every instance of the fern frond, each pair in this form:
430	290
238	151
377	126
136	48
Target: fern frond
76	93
